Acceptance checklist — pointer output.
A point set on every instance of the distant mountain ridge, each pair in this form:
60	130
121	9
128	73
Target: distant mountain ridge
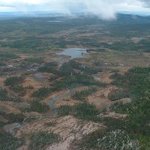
121	17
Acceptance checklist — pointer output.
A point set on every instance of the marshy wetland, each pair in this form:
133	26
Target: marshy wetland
75	84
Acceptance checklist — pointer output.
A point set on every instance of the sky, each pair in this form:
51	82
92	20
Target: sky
105	9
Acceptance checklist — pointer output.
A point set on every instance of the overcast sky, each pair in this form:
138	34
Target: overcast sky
106	9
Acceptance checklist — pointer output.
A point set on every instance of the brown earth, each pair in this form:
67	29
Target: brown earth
31	85
8	108
100	98
68	127
2	81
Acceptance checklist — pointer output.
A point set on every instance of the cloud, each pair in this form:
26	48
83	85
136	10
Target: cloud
105	9
145	1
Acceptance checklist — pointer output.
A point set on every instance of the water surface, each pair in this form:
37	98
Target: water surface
74	52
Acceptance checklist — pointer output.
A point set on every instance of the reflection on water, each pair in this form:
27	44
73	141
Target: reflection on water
73	52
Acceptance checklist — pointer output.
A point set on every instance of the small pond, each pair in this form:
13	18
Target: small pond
73	52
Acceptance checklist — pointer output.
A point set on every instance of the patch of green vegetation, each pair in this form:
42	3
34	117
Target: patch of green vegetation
49	67
86	112
27	44
82	95
73	81
14	84
118	94
31	61
120	108
37	60
12	118
113	124
2	124
144	142
8	142
139	113
72	67
19	89
67	82
2	64
42	92
106	140
117	139
90	141
82	111
67	69
124	46
3	95
12	81
41	140
64	110
38	107
137	82
7	55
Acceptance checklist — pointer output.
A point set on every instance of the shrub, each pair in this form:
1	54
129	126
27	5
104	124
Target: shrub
82	111
49	67
19	89
117	140
42	92
31	62
108	140
6	56
137	82
39	107
15	84
118	94
37	60
41	140
8	142
82	95
76	80
2	64
67	68
64	110
121	108
13	81
14	117
113	124
144	142
138	122
72	67
3	95
85	111
89	142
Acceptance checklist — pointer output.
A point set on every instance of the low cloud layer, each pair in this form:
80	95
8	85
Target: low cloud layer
104	9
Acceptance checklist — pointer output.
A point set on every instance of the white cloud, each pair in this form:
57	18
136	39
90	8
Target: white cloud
106	9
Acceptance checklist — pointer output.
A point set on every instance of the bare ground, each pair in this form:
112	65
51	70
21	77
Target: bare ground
68	127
